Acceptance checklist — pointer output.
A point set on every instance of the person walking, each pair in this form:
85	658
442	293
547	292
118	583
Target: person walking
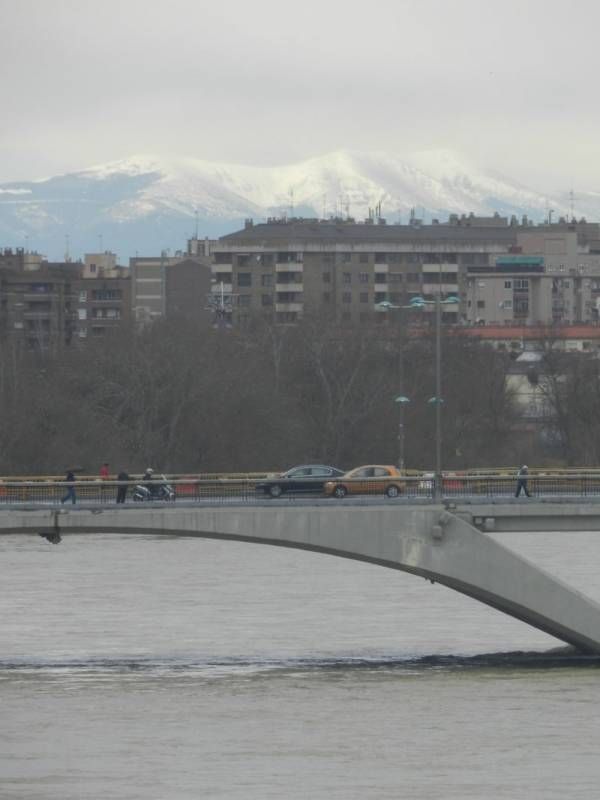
522	476
70	480
122	488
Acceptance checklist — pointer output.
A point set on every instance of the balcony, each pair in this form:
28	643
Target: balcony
39	297
289	287
437	268
287	307
291	266
445	288
217	289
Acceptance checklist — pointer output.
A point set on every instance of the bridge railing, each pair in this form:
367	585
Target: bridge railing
246	490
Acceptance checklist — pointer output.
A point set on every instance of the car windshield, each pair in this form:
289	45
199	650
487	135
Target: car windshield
297	473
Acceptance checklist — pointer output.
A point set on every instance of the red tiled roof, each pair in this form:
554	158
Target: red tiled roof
530	332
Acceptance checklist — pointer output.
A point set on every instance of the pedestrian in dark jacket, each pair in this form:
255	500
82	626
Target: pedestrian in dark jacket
70	480
122	488
522	476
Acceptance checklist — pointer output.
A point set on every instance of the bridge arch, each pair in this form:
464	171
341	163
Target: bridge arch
427	541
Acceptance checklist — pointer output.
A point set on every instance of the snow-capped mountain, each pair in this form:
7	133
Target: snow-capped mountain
147	204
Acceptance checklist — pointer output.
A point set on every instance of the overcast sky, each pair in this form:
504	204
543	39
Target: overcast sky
510	84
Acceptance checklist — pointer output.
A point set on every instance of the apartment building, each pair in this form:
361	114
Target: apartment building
46	304
551	275
502	271
100	305
164	286
289	268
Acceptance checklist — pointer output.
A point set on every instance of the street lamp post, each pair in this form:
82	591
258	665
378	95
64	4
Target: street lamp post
402	401
420	303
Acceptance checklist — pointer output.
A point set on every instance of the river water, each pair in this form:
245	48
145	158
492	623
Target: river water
136	667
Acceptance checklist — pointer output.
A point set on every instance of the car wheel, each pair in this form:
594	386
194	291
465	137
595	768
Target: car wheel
392	491
275	490
340	491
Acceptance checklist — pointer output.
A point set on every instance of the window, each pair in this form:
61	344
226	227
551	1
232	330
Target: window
381	277
380	258
508	284
364	258
346	297
106	294
521	283
223	258
394	258
266	280
267	299
413	277
347	277
244	279
346	258
363	277
364	297
327	277
92	268
328	258
521	306
288	297
507	305
82	296
395	277
82	313
481	304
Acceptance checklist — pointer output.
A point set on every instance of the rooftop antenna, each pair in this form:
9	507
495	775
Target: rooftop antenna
324	206
572	204
291	201
67	257
347	206
100	242
196	230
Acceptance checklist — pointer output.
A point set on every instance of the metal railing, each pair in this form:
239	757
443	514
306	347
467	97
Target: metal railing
245	490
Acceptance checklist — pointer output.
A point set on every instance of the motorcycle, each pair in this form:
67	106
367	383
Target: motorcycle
157	491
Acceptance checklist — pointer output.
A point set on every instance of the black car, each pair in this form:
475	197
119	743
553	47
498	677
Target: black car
305	478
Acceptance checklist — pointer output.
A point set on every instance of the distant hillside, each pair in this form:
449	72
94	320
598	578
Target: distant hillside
146	204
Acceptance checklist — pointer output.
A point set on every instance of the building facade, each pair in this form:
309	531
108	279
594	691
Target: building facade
501	271
45	304
287	269
169	285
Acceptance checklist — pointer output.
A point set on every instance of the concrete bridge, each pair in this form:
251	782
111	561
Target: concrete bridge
447	544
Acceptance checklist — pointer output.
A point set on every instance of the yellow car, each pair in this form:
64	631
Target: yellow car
371	479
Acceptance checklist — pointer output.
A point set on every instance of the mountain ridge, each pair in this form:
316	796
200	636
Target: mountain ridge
147	203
